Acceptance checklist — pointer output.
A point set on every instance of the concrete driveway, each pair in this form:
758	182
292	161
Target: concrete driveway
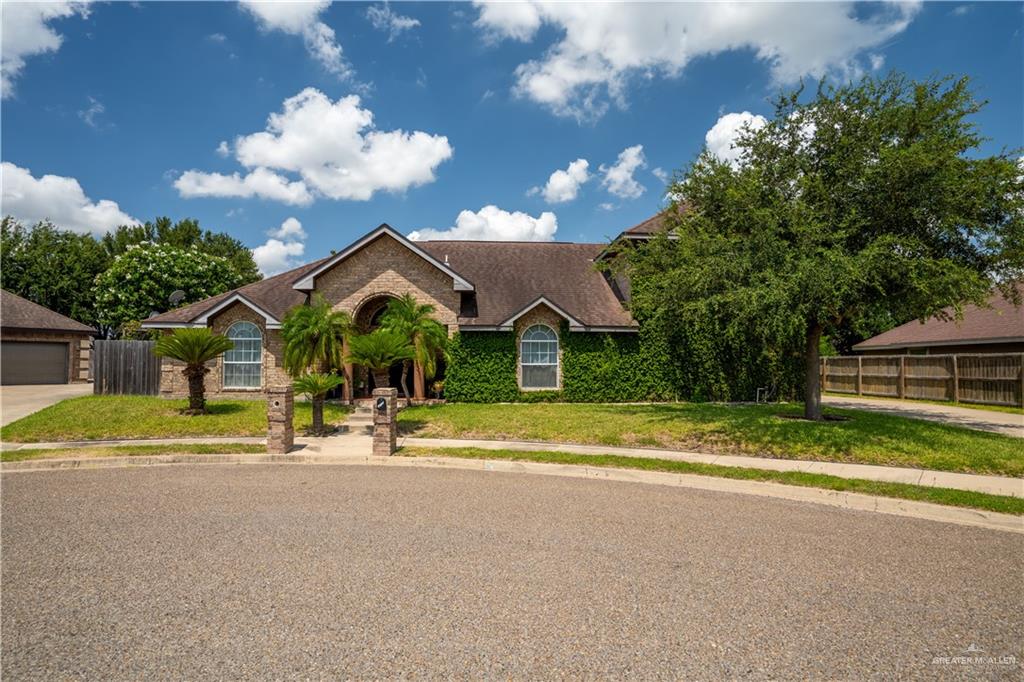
300	572
20	401
982	420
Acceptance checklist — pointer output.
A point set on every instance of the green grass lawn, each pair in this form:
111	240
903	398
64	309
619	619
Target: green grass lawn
114	417
1008	409
947	496
133	451
758	430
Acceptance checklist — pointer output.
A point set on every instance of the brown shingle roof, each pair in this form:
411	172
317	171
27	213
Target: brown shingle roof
654	224
509	276
1002	322
20	313
273	294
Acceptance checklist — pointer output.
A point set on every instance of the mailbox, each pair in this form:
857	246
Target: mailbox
382	405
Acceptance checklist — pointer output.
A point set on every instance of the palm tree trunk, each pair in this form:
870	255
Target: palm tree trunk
196	390
318	414
405	381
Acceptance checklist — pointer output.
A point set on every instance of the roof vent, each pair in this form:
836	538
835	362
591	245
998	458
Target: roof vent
446	259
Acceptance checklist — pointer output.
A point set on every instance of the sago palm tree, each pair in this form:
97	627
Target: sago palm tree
377	351
316	386
427	336
194	347
314	337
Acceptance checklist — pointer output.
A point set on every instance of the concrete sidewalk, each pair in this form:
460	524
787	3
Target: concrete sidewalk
994	485
980	420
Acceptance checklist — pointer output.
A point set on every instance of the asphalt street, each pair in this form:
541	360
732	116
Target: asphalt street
304	571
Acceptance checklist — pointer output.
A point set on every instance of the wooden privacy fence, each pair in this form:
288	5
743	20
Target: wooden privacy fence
125	368
988	379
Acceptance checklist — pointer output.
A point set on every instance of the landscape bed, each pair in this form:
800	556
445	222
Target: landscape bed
752	430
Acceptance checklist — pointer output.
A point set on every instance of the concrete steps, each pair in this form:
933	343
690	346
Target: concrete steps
360	421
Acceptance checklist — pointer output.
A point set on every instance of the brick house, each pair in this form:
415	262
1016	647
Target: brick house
40	346
536	291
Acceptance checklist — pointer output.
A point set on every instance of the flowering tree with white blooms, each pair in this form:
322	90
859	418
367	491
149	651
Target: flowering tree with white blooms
141	280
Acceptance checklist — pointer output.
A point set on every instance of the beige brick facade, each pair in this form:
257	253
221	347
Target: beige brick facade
542	314
79	349
385	267
174	385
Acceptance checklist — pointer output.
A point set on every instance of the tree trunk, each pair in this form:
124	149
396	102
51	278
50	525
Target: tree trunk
419	389
196	390
318	415
405	380
381	380
812	382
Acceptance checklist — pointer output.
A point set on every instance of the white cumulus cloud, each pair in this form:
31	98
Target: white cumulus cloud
618	178
603	46
385	19
291	229
564	185
494	224
283	250
721	139
303	19
261	183
333	147
275	256
58	199
25	31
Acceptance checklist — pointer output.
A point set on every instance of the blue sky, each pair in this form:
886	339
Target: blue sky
116	111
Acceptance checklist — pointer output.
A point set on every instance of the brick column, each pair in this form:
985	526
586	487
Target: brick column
385	425
280	409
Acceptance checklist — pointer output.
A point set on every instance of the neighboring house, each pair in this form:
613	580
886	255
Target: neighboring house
996	329
535	292
39	346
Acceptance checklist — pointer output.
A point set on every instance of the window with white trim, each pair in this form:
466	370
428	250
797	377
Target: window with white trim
538	357
243	364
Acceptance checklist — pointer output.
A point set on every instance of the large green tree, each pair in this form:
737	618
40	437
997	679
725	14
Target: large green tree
185	234
140	281
51	267
866	202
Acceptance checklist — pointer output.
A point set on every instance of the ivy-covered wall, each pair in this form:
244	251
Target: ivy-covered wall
481	368
595	368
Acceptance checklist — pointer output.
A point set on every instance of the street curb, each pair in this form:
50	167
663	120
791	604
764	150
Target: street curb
981	483
842	500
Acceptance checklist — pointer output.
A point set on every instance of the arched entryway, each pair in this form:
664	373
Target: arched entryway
367	318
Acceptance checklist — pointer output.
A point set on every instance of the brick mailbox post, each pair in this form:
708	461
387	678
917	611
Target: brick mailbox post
385	426
280	431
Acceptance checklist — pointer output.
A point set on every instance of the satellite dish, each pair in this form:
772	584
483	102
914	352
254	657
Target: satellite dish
175	297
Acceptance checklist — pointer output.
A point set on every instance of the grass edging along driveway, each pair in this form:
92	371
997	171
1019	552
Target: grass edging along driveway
133	451
1008	409
714	428
906	491
116	417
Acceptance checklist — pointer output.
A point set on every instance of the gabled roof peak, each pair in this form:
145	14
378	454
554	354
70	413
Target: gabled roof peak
306	282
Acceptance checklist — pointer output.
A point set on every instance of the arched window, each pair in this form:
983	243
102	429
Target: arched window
244	362
538	357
